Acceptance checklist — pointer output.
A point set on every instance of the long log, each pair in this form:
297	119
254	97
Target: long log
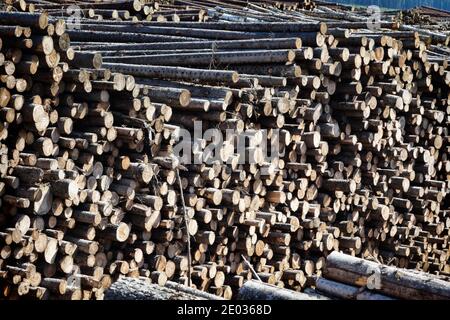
255	290
389	280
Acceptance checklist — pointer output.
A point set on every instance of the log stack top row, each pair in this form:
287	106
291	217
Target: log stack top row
94	97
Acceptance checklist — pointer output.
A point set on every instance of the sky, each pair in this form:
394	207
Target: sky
399	4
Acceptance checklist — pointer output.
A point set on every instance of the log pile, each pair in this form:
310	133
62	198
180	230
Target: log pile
256	290
92	116
348	277
164	11
126	288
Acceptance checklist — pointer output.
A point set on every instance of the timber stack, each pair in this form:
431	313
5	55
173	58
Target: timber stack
94	106
348	277
127	288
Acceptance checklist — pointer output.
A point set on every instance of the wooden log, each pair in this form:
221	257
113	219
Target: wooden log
254	290
388	280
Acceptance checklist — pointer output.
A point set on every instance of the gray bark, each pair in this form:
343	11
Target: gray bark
392	281
140	289
255	290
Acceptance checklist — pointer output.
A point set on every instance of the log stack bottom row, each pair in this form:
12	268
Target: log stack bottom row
91	117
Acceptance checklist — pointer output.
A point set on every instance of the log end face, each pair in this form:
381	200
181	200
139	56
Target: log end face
185	98
234	77
123	231
43	20
323	28
97	61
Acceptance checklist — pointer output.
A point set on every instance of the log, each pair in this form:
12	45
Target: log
140	289
388	280
254	290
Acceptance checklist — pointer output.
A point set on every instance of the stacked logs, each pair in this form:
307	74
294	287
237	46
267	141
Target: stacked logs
349	277
91	121
58	188
127	288
131	10
163	11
